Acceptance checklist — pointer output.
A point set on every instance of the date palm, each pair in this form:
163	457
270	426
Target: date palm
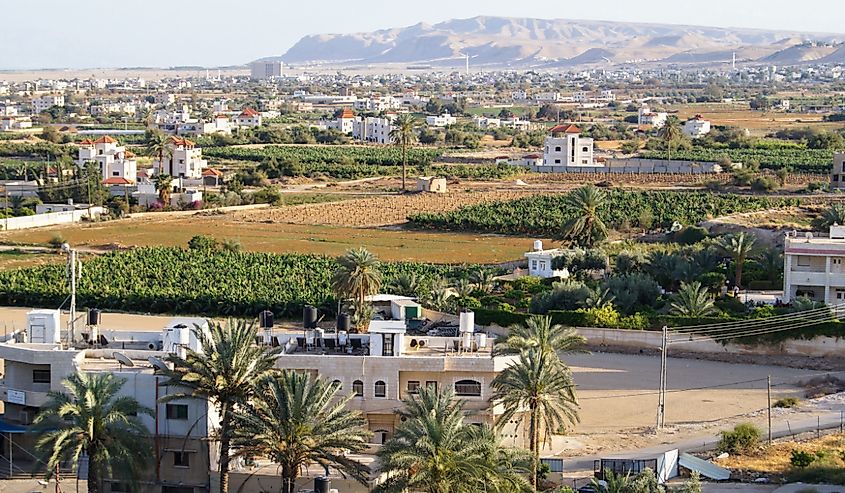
835	214
739	247
295	420
92	419
158	145
223	373
358	275
586	227
164	184
406	285
671	132
539	332
435	451
538	388
693	300
403	135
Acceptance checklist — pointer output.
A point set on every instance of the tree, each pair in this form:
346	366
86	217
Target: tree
406	285
541	384
92	419
539	333
739	247
835	214
671	132
357	277
483	280
770	261
223	373
692	300
403	135
435	451
164	186
586	228
295	420
158	145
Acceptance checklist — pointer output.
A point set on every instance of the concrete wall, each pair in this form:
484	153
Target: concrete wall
50	219
636	165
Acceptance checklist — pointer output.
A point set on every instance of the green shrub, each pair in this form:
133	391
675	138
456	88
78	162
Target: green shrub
802	459
202	242
690	235
56	240
743	439
787	402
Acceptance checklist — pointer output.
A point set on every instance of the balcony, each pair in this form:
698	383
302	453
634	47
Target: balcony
30	398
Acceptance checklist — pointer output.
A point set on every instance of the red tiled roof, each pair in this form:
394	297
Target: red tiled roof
105	139
182	141
116	180
565	129
347	113
86	142
212	172
249	112
532	156
129	154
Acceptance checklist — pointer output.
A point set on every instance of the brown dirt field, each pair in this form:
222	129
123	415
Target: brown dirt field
775	459
13	260
758	122
375	211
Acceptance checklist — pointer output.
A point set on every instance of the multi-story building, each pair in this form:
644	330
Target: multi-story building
47	101
814	266
547	97
837	173
373	129
443	120
117	165
249	118
377	103
648	118
696	127
566	148
263	70
38	358
183	161
345	123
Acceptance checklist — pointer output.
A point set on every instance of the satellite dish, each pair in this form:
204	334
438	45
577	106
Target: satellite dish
157	363
123	360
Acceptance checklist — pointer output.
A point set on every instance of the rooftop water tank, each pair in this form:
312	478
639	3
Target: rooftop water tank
467	321
538	246
43	326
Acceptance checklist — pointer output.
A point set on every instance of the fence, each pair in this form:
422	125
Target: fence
49	219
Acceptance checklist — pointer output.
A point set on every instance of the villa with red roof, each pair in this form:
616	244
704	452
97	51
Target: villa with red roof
564	148
117	165
183	161
249	118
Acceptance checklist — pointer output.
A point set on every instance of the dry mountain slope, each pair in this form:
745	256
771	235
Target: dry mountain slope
501	41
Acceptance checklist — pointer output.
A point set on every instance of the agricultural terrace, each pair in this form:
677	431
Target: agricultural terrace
802	160
545	215
222	283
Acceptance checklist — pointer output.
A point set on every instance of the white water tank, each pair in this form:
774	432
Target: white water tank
176	338
481	340
43	326
538	246
467	321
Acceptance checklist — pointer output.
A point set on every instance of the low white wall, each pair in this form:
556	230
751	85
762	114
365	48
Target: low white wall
49	219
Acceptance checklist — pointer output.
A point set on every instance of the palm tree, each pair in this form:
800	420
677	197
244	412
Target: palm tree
223	373
92	419
739	247
435	451
693	300
463	288
295	420
357	276
835	214
613	483
586	228
403	135
539	332
539	382
671	132
770	261
483	280
406	285
158	145
164	184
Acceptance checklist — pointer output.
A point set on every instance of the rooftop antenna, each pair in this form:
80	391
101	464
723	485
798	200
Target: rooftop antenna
123	360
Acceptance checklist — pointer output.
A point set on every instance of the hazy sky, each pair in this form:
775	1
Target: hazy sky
163	33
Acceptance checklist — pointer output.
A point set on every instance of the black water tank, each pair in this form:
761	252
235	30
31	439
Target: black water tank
322	484
344	322
309	317
93	316
265	319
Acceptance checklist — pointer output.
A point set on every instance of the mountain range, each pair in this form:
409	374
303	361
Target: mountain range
540	43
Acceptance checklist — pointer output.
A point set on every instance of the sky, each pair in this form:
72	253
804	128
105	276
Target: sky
211	33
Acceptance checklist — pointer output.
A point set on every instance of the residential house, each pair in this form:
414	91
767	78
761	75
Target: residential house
443	120
118	166
9	123
249	118
47	101
565	148
814	266
696	127
648	118
541	262
837	173
345	123
373	129
184	160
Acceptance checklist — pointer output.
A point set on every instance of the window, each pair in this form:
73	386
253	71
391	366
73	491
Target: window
533	265
468	388
177	411
803	261
387	345
177	489
413	386
557	149
181	459
380	389
339	384
358	388
585	149
557	161
432	384
40	376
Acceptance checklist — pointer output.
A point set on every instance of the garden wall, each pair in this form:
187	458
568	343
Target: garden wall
49	219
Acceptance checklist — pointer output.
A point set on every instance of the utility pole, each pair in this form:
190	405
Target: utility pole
769	407
73	273
661	399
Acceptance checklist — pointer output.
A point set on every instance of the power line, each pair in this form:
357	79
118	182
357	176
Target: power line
752	332
709	328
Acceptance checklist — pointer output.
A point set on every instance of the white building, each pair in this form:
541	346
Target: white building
220	124
515	123
837	173
519	95
373	129
183	161
486	122
566	148
117	165
440	121
46	102
541	262
650	118
345	123
547	97
377	104
814	267
9	123
264	70
696	127
112	108
249	118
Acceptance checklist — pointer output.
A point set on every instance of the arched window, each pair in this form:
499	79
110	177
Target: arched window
468	388
380	389
358	388
339	384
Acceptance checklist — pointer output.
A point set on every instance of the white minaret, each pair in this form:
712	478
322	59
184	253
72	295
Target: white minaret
733	62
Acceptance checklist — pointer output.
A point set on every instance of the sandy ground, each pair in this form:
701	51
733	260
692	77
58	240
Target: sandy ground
618	399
